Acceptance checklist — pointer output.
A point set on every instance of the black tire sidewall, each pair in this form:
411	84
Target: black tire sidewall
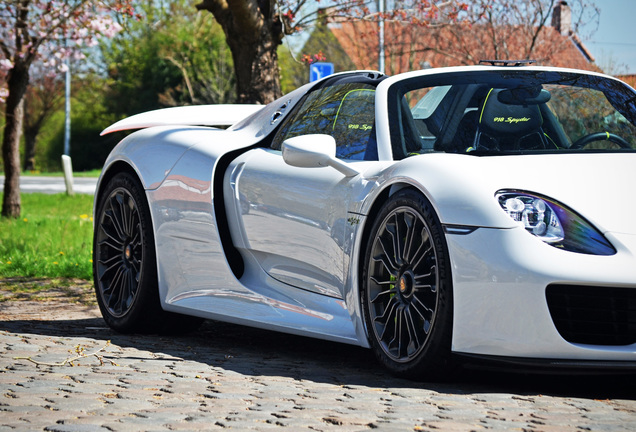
434	360
146	305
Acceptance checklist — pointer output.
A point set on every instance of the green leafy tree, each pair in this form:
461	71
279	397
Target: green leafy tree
195	44
172	56
136	71
89	116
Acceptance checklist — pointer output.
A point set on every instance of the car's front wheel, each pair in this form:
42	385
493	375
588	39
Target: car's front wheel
124	262
407	291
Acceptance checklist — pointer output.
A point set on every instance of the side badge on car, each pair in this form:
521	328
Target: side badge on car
353	221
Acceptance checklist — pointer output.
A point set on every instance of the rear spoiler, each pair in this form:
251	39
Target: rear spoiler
195	115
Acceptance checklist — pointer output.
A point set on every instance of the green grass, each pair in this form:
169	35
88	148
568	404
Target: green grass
92	173
52	238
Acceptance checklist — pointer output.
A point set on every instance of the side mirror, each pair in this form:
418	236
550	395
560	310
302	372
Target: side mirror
315	151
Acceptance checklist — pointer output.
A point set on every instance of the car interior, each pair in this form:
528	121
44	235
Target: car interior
482	118
479	117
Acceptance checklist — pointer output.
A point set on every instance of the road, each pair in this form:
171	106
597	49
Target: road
52	185
226	376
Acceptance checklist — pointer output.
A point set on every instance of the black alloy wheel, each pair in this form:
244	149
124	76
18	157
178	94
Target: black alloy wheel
407	293
121	252
124	262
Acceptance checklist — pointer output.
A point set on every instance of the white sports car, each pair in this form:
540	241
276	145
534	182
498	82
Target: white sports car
437	216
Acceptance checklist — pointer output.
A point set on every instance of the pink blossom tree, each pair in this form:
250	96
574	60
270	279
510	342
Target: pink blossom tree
44	32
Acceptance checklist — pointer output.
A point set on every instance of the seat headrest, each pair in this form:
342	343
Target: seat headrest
500	119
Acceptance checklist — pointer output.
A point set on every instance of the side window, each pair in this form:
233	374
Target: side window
344	111
353	125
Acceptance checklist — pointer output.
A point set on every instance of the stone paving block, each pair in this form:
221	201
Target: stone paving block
76	428
227	376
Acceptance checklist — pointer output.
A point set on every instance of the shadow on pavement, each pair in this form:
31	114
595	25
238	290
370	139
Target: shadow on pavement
254	352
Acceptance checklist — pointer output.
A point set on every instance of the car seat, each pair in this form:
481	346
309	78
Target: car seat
507	126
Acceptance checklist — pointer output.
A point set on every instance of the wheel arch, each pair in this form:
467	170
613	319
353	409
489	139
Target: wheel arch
114	169
111	171
374	208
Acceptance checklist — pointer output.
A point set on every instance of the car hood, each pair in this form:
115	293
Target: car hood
600	187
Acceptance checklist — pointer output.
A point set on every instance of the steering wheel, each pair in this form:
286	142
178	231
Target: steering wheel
600	136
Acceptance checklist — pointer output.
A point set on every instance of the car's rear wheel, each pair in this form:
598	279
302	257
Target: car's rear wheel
407	291
124	262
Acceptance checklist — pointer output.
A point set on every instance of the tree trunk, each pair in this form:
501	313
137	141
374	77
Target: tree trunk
253	32
256	68
18	81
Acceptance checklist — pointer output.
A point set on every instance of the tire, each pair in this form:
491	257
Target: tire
125	265
407	298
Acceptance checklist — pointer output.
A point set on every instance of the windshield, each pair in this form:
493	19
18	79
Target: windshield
512	111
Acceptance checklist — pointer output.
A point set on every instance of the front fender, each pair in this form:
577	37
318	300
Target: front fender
153	152
453	185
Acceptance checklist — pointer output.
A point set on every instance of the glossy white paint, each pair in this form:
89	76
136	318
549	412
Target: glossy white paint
315	151
153	163
462	187
309	151
195	276
499	279
198	115
299	230
292	220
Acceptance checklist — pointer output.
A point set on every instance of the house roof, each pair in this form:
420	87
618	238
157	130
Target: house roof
629	79
411	47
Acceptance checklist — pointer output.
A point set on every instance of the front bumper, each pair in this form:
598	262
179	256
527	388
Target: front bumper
500	278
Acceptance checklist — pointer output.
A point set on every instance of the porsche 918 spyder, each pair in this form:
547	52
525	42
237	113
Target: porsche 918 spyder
481	212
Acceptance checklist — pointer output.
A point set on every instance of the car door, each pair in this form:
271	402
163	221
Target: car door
293	220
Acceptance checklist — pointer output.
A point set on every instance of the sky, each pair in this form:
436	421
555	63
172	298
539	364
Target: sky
614	40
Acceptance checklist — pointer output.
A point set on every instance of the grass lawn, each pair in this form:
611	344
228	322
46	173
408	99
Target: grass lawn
52	238
92	173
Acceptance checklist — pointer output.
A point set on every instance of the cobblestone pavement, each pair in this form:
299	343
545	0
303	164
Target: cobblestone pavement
227	376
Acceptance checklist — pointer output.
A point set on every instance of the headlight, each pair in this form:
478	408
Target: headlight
554	223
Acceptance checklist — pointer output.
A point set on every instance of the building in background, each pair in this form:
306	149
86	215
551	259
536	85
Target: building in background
411	46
